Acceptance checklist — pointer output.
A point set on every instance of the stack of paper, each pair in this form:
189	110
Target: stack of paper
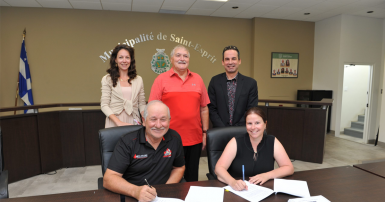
257	193
163	199
201	194
254	193
310	199
293	187
205	194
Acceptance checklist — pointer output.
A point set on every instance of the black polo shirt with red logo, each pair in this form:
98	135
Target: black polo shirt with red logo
137	160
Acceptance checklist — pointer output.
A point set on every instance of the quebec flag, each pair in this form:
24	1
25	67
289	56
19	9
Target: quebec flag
25	89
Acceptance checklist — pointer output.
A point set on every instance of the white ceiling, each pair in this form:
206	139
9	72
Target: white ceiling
278	9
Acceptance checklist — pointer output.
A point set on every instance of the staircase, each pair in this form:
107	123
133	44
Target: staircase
357	128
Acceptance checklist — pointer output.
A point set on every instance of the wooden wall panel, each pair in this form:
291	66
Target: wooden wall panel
93	121
72	138
314	139
50	141
286	125
21	147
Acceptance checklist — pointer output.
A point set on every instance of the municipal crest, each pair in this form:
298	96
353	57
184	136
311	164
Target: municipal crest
160	62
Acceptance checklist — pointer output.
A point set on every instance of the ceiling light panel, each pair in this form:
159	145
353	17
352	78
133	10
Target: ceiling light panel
274	2
55	3
3	3
148	2
244	1
207	4
86	5
23	3
146	8
303	3
91	1
200	11
117	1
116	6
177	5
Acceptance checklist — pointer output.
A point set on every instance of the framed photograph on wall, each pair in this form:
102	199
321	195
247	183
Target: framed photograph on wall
284	65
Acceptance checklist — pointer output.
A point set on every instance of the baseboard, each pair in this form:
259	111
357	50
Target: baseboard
331	132
372	141
381	144
373	161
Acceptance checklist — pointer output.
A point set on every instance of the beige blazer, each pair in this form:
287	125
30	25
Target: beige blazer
113	102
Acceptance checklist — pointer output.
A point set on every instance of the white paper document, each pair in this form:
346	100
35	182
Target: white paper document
310	199
254	193
293	187
205	194
163	199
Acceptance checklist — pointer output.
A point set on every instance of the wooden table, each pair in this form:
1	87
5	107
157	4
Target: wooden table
374	168
101	195
336	184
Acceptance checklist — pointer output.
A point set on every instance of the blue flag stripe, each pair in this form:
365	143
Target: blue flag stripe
25	89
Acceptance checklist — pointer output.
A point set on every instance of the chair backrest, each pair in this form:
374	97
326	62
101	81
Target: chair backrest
108	138
217	140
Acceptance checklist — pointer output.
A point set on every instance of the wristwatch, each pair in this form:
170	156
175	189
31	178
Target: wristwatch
204	131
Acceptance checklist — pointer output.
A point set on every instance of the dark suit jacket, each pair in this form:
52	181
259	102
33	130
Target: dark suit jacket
246	96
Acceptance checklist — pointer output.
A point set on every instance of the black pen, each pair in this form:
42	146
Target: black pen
147	183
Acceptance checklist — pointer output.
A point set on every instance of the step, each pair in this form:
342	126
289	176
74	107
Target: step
354	132
357	125
361	118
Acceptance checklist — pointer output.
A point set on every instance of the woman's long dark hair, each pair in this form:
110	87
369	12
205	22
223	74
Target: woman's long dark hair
114	70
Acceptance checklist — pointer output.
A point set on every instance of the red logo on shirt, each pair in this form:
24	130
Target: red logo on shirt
167	153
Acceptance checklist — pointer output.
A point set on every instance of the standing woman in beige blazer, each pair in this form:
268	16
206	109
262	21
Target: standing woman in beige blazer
122	90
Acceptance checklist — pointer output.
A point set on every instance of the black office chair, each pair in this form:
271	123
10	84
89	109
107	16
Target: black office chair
108	138
217	140
3	173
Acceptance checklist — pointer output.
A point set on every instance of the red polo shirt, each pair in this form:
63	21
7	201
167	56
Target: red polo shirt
184	98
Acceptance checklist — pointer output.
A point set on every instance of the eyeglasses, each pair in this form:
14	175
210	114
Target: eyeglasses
230	48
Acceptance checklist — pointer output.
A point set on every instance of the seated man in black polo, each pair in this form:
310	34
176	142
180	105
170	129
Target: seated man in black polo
153	152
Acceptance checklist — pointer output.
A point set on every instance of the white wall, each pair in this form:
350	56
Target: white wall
354	97
326	57
359	42
381	136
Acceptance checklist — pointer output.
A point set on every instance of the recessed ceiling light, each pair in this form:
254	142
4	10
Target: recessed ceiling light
306	13
370	12
235	7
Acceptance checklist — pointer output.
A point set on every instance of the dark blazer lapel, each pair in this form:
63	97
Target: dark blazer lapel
224	88
239	88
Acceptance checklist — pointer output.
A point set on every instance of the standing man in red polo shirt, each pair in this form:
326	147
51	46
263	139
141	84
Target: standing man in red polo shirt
185	94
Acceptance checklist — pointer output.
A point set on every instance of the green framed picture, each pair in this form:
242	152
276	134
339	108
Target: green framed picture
284	65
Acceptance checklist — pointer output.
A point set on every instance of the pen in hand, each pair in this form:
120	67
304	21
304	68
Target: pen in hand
243	172
148	183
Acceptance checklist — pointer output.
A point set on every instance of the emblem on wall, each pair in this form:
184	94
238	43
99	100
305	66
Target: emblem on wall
160	62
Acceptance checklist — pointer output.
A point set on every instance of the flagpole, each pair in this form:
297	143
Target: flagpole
18	77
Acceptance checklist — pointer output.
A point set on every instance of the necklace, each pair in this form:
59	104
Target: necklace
255	157
123	79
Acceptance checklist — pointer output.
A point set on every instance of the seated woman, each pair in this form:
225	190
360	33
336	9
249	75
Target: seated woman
256	151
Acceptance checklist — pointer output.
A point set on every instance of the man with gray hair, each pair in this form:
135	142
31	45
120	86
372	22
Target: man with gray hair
185	94
154	153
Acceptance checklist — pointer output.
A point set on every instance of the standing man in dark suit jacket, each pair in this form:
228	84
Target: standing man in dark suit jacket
231	93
